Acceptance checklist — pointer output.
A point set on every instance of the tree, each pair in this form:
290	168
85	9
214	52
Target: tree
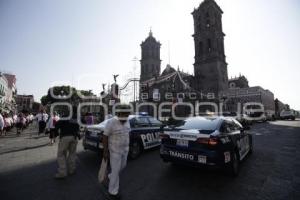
62	94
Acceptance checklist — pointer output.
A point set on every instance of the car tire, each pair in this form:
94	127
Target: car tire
135	150
251	149
233	168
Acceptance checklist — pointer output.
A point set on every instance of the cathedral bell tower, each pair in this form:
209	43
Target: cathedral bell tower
150	62
210	67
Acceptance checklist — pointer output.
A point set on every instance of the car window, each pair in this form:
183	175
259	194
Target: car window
229	126
238	125
154	122
139	122
198	123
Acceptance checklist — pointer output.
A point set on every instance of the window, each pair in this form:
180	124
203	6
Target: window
199	23
207	23
207	20
208	45
154	122
199	123
229	127
200	48
139	122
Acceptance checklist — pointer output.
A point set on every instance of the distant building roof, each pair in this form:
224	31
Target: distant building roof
168	70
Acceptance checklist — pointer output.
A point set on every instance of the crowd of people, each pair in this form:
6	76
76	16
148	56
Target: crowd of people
10	120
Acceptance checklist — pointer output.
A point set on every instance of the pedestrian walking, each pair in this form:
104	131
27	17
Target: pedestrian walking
42	118
116	147
68	130
1	123
7	123
51	127
21	121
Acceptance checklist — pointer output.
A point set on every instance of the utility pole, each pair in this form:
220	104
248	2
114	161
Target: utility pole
135	59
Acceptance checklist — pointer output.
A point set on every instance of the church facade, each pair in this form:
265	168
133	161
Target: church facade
210	82
210	78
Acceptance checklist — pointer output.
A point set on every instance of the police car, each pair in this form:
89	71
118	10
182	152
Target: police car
206	141
144	134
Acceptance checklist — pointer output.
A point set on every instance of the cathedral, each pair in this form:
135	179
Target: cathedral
210	78
209	83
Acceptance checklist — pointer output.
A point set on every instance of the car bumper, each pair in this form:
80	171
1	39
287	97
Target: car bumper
202	158
92	144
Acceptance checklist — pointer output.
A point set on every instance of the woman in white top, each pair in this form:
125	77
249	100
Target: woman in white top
51	127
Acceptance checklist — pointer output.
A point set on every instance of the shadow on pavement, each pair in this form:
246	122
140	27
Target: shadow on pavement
37	182
25	148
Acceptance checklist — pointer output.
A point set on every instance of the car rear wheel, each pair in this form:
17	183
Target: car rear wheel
233	168
135	150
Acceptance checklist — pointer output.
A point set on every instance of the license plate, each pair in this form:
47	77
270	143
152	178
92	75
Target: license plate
94	144
202	159
183	143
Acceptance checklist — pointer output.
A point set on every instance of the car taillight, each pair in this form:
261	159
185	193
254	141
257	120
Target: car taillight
163	136
208	141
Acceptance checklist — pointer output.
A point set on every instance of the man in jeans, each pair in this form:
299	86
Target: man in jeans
68	130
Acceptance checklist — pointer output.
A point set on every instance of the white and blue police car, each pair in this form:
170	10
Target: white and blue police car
206	141
144	134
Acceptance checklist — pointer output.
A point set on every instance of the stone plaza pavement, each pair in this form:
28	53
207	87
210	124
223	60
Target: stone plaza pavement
272	172
28	164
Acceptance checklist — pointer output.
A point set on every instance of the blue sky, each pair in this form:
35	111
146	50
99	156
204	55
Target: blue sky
64	41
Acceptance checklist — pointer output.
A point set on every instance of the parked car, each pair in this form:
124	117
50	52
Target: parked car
219	142
144	134
287	114
244	119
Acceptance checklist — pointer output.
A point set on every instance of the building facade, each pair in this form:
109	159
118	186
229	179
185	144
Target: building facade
150	62
210	67
238	97
3	93
25	103
11	92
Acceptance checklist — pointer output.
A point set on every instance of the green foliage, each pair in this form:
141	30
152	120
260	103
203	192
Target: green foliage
64	94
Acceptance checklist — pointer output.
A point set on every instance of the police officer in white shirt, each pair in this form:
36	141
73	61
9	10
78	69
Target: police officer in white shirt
116	147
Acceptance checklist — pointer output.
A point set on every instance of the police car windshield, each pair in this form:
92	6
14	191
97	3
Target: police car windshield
198	123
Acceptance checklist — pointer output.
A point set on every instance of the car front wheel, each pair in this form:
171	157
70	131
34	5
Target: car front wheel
135	150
